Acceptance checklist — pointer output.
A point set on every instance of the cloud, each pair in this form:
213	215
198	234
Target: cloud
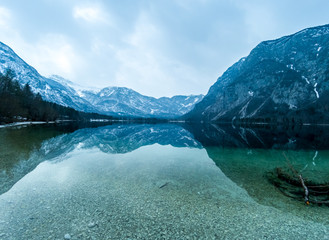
260	20
144	66
5	17
159	48
91	14
54	53
50	54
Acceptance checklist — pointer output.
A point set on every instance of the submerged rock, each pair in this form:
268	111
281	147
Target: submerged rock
92	224
67	236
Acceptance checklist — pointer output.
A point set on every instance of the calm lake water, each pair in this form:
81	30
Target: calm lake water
161	181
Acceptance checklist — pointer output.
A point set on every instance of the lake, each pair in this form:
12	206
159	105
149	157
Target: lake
163	181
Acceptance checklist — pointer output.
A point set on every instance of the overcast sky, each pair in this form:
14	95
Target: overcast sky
156	47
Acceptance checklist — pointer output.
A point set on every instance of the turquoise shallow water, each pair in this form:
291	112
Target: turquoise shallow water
152	182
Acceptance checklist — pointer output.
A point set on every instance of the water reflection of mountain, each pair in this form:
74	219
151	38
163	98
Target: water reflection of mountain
246	155
266	137
22	150
126	138
17	150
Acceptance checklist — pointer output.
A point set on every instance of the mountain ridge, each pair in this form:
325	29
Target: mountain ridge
66	93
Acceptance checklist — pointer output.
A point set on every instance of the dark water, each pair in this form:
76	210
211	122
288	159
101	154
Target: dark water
161	181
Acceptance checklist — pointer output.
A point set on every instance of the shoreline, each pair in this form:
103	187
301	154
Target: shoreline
25	123
255	124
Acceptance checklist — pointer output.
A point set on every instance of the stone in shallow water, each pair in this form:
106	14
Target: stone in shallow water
91	224
67	236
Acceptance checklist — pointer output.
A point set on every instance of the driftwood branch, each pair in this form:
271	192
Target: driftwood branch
290	183
305	189
300	177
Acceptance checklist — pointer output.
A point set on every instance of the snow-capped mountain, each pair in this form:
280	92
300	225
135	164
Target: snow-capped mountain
121	101
125	101
282	80
111	101
49	89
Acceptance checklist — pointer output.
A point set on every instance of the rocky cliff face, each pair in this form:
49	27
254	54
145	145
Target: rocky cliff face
281	80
